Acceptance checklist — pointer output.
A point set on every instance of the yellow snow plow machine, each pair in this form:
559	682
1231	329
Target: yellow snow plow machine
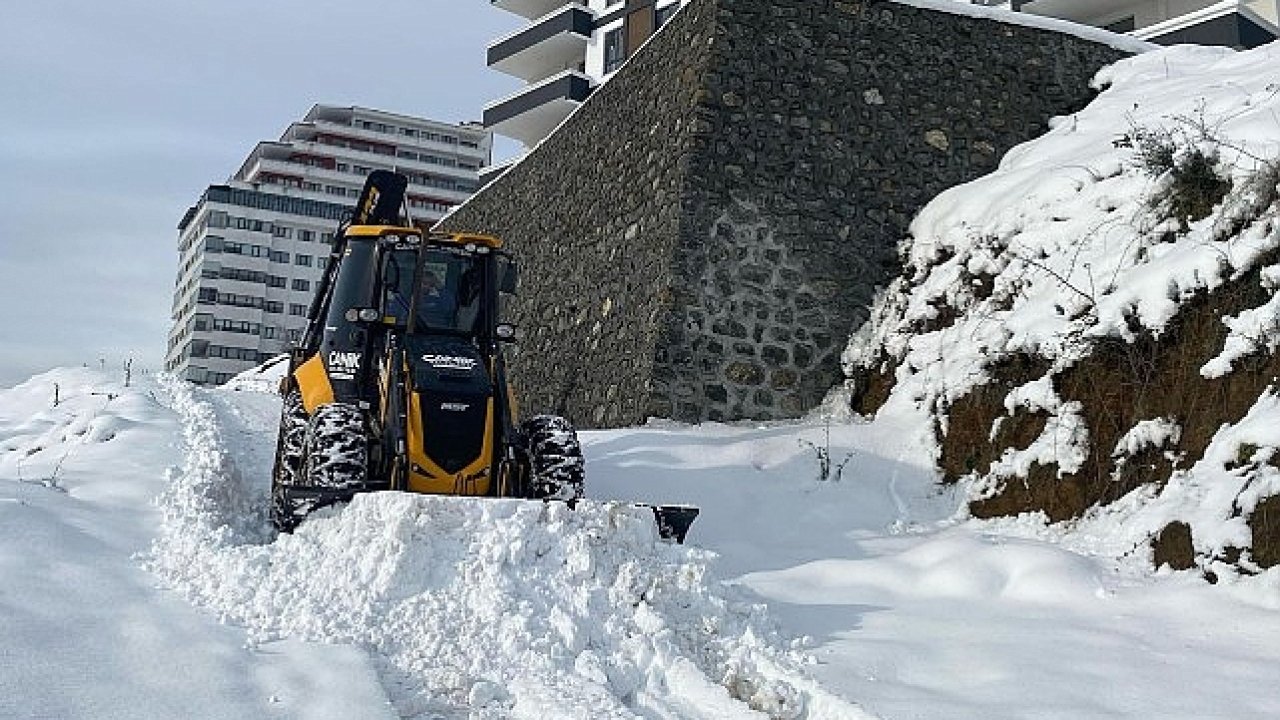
399	381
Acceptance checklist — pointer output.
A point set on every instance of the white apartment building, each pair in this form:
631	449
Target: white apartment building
571	46
252	249
566	50
1234	23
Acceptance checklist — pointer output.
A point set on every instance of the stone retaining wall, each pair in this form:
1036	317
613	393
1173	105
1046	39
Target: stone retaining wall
702	236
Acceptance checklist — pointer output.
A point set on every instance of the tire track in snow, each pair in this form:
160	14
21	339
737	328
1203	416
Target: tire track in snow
475	608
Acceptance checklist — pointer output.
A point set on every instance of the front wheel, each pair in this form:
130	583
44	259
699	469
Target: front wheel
557	469
337	451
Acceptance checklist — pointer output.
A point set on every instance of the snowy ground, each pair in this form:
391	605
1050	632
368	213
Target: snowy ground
803	598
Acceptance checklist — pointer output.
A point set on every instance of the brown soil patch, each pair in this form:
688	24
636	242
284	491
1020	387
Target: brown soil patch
873	389
1119	385
966	446
1265	524
1173	547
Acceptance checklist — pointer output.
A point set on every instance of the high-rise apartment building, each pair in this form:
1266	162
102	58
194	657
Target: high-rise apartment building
252	249
562	54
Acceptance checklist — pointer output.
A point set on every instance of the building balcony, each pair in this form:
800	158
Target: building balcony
531	9
1234	23
531	114
553	43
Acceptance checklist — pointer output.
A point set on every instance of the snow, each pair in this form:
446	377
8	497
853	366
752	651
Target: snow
84	630
141	578
869	597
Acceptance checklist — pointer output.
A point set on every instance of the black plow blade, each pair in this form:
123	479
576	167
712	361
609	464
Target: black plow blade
674	520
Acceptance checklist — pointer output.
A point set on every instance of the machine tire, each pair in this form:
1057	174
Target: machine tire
285	512
293	433
337	450
557	470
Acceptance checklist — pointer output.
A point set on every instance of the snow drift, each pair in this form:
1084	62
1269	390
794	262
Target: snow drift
484	607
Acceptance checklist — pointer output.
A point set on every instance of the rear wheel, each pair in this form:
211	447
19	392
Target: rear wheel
326	452
285	512
555	458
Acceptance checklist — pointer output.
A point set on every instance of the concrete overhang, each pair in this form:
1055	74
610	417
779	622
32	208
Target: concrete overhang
530	9
532	113
554	42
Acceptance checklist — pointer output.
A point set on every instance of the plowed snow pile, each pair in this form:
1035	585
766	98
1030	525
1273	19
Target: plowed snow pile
488	608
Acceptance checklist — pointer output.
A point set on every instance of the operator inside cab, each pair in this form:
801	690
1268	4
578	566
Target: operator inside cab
436	304
447	296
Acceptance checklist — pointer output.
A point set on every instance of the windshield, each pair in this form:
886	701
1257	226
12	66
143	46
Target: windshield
448	296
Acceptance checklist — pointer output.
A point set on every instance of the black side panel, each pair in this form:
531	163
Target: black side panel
381	199
345	345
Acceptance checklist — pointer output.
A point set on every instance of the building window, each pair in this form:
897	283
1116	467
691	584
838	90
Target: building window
615	50
307	235
298	310
281	231
279	256
275	281
301	285
273	306
303	260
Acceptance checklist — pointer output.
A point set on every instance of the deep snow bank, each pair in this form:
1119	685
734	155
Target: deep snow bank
84	632
493	608
1077	338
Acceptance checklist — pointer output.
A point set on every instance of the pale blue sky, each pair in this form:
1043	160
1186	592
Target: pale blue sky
116	115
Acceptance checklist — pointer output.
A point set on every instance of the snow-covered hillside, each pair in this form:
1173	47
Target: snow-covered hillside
1098	319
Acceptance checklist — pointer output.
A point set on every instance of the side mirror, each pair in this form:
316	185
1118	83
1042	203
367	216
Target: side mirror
508	275
506	332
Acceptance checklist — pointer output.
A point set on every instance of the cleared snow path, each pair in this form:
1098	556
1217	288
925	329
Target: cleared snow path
84	632
472	608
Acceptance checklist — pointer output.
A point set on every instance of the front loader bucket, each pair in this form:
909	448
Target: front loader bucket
674	520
